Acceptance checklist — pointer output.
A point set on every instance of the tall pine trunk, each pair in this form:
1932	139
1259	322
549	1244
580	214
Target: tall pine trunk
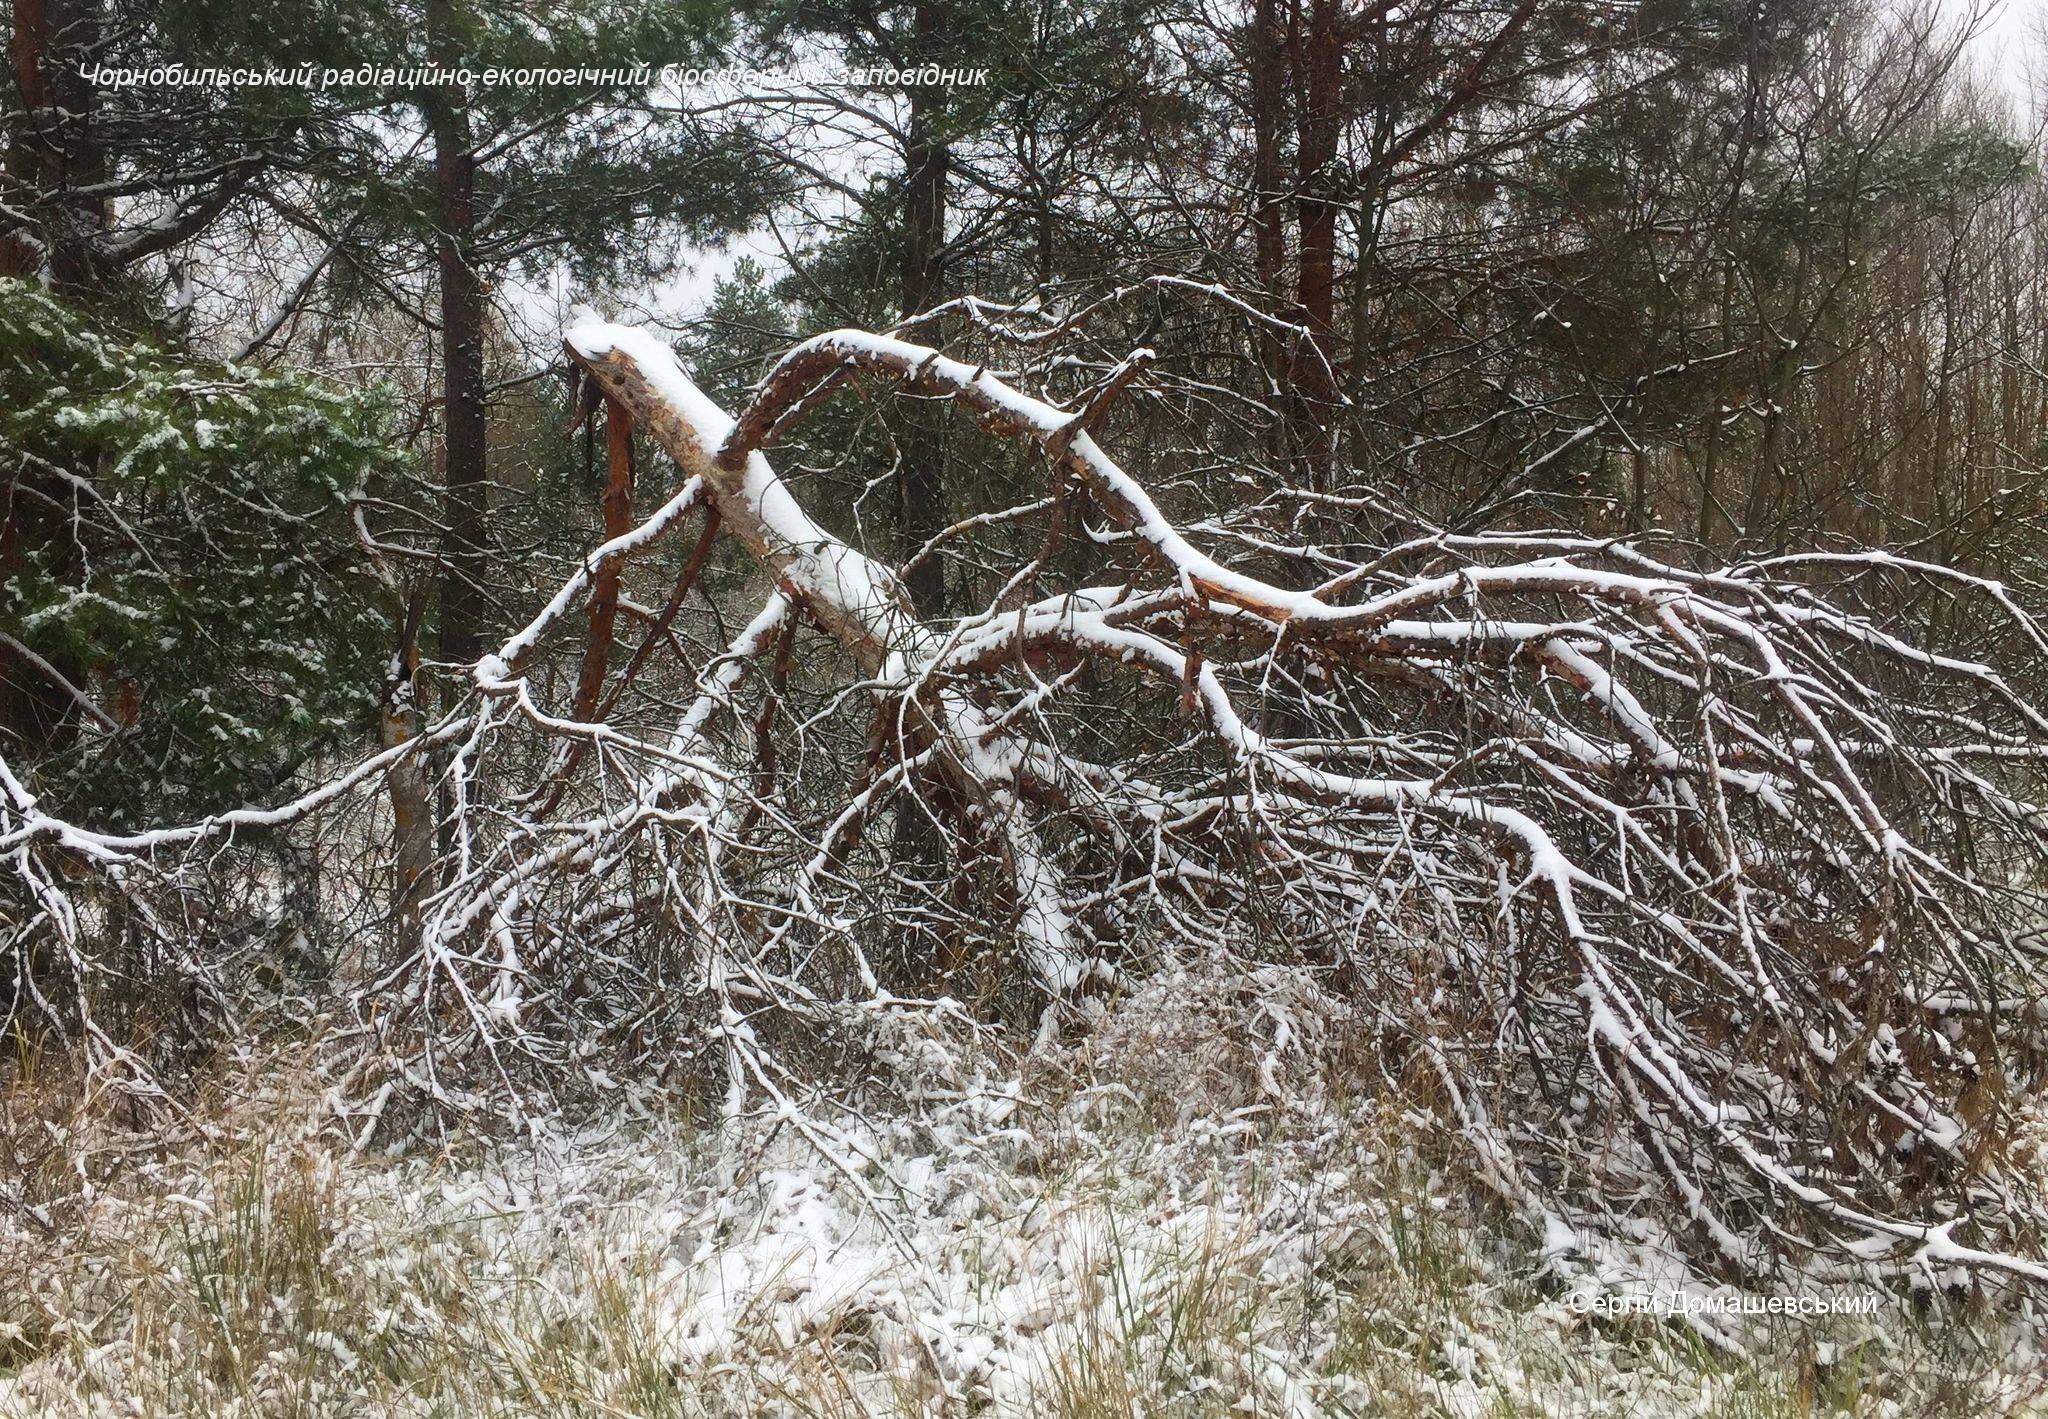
462	352
921	441
921	477
1267	71
50	153
409	781
1319	69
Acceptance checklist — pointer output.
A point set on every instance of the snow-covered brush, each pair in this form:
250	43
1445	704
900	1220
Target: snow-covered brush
1700	846
1713	886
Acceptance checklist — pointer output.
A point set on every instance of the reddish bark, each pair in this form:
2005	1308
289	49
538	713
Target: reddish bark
604	593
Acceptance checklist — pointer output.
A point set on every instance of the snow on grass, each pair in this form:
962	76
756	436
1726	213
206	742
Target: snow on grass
1193	1209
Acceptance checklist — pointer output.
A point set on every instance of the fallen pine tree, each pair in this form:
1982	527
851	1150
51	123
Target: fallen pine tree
1702	892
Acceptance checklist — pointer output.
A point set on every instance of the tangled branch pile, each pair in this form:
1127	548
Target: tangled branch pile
1709	892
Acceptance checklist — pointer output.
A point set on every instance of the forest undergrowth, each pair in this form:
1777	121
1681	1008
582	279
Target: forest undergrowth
1130	1221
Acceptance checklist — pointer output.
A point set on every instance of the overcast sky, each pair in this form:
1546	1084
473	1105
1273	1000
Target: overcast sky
2009	45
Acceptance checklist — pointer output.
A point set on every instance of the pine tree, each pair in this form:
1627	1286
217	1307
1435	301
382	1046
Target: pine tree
969	168
484	182
193	618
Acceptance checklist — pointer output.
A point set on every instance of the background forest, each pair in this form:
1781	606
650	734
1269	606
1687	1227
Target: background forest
1457	578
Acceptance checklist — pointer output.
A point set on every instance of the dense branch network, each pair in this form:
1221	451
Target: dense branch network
1707	852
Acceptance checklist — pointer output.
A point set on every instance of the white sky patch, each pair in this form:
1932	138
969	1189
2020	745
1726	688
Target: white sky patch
2008	49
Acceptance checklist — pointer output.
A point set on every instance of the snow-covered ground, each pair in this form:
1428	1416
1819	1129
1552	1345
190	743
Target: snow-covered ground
1192	1210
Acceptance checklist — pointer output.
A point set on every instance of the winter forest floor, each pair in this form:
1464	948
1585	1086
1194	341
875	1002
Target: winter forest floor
1142	1221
